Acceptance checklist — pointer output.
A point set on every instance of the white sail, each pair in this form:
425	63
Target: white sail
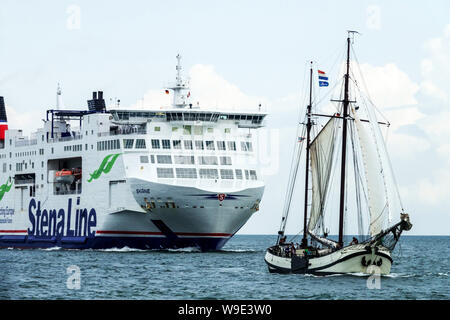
321	155
374	175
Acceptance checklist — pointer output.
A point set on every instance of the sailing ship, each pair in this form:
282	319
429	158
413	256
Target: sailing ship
355	130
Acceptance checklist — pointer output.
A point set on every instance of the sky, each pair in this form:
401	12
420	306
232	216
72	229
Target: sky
238	54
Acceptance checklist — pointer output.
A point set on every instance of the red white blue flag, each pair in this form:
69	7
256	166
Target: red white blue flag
323	78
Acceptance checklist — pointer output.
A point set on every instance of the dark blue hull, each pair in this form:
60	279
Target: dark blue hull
144	243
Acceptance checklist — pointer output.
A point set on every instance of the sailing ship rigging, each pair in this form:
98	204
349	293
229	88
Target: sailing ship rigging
350	139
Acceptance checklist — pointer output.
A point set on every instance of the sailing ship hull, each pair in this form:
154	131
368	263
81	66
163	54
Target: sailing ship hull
352	259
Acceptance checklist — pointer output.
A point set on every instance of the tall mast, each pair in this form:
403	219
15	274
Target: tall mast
58	98
344	147
179	87
308	138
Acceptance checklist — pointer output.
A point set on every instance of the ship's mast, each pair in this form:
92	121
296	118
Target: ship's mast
179	88
344	145
308	138
58	98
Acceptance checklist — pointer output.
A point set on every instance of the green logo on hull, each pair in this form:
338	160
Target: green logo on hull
105	166
5	188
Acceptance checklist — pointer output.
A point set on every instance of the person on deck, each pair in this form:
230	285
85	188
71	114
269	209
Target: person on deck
354	241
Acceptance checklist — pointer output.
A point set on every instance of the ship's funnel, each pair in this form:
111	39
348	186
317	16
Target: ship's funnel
97	103
3	119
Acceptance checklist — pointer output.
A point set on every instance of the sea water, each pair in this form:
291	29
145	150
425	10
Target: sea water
238	271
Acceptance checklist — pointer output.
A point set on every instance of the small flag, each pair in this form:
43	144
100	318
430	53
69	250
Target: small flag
167	91
323	78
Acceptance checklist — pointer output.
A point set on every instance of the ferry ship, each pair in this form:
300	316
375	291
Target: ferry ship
170	177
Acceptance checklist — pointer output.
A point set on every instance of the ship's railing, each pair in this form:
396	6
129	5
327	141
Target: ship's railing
25	142
25	181
64	139
122	132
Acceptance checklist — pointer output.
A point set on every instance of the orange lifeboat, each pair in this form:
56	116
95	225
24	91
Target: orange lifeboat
68	176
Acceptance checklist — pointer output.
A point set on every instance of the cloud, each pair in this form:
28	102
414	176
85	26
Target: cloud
435	68
388	86
28	121
212	91
209	90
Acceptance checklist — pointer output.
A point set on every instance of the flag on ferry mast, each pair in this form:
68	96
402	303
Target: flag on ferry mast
323	78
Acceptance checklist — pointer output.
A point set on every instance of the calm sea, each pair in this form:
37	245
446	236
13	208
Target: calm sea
420	271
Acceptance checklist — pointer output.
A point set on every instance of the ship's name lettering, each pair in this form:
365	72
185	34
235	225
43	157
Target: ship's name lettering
142	191
53	222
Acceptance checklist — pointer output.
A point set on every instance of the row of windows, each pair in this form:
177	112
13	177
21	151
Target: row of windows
203	160
19	166
129	143
201	145
75	147
197	130
191	173
108	145
22	154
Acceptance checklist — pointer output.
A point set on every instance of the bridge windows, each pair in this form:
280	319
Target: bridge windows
220	145
140	144
166	144
246	146
176	144
199	145
188	144
128	143
209	145
231	145
155	144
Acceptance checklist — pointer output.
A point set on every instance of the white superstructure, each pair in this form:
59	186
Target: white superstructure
160	178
